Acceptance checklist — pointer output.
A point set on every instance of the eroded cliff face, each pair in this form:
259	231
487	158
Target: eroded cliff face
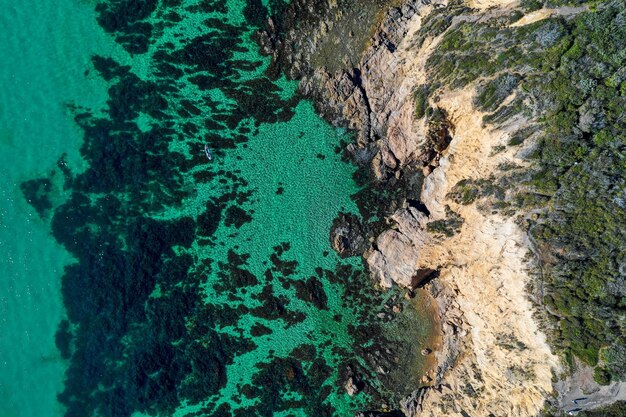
494	360
503	363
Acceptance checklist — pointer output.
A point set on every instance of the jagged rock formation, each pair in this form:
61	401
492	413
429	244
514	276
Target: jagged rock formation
347	236
376	99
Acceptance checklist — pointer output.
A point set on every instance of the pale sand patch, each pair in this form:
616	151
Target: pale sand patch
505	366
486	4
533	17
542	14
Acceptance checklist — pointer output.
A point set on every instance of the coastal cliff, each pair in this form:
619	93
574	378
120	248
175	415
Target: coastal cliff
458	138
494	359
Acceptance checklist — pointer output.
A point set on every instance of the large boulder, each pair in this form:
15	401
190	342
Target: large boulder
394	256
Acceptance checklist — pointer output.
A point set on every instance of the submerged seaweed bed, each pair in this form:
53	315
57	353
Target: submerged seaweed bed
209	287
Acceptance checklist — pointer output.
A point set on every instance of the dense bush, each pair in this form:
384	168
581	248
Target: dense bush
616	410
581	166
568	75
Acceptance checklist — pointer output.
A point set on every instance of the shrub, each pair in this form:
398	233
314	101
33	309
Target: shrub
421	101
602	376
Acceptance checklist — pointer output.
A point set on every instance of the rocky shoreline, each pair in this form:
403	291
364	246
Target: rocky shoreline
494	359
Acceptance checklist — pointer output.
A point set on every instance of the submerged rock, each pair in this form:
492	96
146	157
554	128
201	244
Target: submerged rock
350	387
347	236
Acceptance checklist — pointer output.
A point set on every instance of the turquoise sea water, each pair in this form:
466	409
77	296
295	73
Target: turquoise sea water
45	50
191	287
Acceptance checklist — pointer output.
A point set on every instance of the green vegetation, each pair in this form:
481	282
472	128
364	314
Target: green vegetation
467	191
581	165
421	101
449	226
492	93
532	5
570	77
602	376
464	192
616	410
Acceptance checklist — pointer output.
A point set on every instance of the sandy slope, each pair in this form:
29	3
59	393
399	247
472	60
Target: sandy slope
486	4
541	14
505	366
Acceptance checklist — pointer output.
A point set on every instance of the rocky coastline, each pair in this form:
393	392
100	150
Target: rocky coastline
476	264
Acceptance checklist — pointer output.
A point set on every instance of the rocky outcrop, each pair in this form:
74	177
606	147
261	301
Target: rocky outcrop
393	257
376	99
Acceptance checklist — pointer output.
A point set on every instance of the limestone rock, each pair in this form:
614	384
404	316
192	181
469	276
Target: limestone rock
394	259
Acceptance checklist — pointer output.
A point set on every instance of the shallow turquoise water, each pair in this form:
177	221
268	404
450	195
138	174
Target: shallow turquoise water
45	50
195	286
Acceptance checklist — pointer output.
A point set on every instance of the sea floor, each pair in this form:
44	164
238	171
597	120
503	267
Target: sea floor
142	278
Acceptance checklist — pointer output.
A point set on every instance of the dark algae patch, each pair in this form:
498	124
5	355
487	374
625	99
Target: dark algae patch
207	287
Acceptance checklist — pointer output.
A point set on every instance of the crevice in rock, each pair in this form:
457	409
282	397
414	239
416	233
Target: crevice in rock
424	277
418	205
358	84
